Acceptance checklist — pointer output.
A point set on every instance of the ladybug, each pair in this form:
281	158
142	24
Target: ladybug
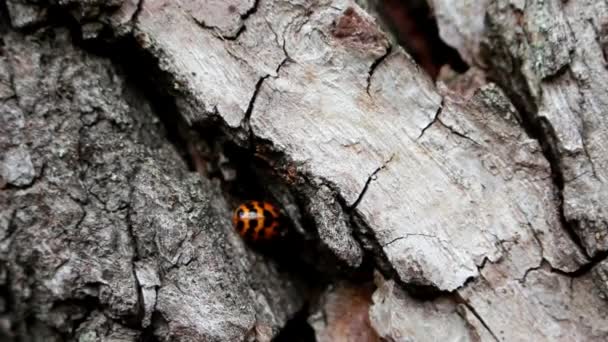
255	220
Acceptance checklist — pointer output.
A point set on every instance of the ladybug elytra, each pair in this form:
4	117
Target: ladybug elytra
255	220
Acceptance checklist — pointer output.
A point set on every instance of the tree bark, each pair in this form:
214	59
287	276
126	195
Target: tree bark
479	202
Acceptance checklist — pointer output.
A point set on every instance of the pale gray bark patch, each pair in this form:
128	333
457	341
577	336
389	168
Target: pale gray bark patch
544	305
149	282
334	227
600	277
220	75
17	168
399	317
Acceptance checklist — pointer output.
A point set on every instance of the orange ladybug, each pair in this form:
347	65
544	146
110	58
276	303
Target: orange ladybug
255	220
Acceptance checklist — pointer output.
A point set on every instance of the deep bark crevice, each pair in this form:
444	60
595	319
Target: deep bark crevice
416	30
297	329
517	89
539	129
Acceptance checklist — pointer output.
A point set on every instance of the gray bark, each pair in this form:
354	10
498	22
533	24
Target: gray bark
481	205
105	233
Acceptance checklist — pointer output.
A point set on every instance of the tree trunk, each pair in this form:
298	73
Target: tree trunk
472	208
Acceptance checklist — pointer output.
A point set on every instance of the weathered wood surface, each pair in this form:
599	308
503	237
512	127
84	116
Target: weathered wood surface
444	187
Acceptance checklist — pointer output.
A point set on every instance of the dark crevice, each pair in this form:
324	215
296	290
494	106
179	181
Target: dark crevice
547	137
416	30
437	119
517	89
297	329
583	270
4	18
9	301
486	260
204	25
543	263
250	11
407	236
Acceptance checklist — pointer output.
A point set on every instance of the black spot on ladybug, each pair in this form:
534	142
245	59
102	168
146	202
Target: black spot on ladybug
268	223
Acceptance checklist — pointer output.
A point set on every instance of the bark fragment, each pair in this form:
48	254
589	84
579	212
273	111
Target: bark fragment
399	317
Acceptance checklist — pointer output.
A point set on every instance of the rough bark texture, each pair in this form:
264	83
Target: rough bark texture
551	58
104	230
482	204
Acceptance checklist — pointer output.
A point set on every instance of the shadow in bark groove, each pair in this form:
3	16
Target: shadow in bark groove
297	329
416	30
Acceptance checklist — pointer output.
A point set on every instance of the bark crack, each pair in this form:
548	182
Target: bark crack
238	33
477	315
408	235
583	270
457	133
371	177
435	118
135	17
533	232
258	86
247	118
375	65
